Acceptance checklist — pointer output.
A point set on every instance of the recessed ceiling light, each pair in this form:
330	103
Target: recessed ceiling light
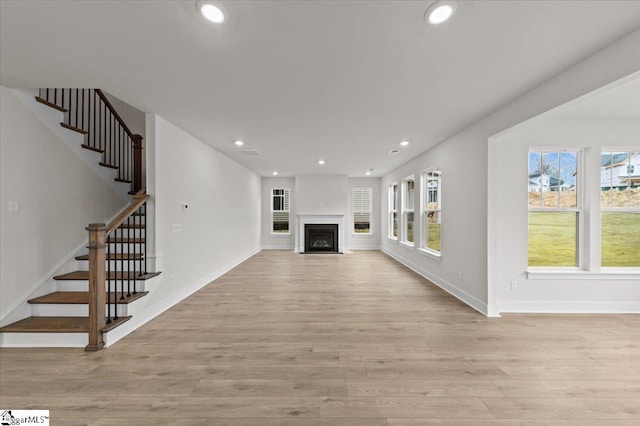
368	173
404	143
275	173
239	143
321	162
440	11
212	11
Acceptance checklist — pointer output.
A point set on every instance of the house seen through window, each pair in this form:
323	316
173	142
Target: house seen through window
554	209
620	208
432	201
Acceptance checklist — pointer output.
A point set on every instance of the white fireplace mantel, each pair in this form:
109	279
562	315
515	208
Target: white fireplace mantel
320	219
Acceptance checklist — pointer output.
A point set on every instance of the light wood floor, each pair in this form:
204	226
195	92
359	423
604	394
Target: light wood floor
358	339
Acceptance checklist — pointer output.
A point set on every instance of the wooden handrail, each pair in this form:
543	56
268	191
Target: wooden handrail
139	199
115	113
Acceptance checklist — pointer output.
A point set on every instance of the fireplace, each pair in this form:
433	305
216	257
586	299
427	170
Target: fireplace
321	238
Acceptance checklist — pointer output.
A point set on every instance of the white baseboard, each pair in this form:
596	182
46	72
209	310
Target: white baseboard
446	286
275	247
555	307
153	311
374	248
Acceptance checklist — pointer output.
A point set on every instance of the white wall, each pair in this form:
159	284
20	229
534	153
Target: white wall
132	117
219	229
323	194
277	241
359	241
58	195
469	221
582	293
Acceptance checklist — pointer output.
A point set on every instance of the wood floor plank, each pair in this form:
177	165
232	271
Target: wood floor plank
428	407
274	342
305	387
567	408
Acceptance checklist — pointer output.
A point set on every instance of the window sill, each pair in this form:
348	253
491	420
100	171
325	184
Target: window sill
393	239
430	254
362	235
583	275
407	244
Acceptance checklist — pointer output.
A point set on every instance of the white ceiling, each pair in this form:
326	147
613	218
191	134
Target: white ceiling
302	80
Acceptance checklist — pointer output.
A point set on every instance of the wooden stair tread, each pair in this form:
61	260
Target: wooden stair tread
75	129
48	325
78	298
51	104
114	323
125	240
92	148
58	325
111	166
115	256
84	275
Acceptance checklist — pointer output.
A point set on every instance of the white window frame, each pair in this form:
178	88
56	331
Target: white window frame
578	210
356	210
394	199
286	209
424	213
628	209
406	211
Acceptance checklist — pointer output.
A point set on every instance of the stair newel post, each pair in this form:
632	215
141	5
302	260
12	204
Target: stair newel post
137	163
97	295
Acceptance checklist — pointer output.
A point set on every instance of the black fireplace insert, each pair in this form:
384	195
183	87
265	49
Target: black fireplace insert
321	238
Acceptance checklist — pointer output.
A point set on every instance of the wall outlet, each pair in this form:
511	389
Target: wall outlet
514	285
13	206
460	276
176	227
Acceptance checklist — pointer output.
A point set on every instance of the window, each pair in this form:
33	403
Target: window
393	211
362	210
620	209
280	209
554	209
432	201
408	197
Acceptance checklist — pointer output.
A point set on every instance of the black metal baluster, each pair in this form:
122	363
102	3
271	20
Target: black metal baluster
108	281
135	252
83	112
145	239
47	92
122	243
129	256
115	275
77	107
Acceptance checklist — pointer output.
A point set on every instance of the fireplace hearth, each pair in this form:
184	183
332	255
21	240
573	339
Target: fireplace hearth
321	238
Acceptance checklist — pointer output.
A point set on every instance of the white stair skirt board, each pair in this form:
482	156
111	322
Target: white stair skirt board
44	340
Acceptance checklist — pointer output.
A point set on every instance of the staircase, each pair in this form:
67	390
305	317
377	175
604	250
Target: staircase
110	281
